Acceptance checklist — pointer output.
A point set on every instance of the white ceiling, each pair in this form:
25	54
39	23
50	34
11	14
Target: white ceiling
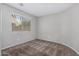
41	9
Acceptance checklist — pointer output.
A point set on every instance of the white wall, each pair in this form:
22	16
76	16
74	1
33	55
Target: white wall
0	31
13	38
61	27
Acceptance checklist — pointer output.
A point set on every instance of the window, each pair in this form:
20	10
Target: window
20	23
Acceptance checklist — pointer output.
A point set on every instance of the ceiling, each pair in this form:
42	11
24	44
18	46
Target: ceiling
41	9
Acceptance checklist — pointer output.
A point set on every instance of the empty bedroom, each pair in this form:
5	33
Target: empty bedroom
39	29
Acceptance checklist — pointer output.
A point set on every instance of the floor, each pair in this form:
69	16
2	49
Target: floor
39	47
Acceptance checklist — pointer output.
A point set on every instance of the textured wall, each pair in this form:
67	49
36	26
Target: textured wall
61	27
0	31
12	38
